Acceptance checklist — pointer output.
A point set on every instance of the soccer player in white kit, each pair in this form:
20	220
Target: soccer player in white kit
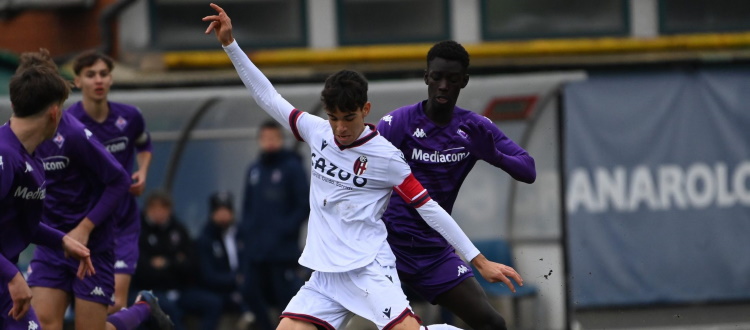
354	171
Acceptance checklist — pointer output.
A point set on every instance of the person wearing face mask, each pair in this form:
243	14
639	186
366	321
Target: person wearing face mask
274	210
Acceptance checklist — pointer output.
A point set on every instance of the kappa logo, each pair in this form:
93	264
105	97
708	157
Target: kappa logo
387	312
387	118
419	133
88	133
360	165
121	123
28	168
324	145
33	325
59	140
98	292
462	269
120	264
1	163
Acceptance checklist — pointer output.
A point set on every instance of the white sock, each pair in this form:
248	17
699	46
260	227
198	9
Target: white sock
439	327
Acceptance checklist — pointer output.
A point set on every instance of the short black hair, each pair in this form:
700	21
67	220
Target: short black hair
35	88
449	50
270	124
89	58
345	90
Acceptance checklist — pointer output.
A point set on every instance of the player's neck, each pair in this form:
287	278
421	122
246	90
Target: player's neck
30	131
98	110
439	116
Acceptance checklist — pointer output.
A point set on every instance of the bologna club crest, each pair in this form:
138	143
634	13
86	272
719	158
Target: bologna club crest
360	165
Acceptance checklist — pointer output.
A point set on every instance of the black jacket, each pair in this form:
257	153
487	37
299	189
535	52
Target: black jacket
215	272
171	242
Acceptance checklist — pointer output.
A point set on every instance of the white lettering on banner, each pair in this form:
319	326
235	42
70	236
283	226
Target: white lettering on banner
666	187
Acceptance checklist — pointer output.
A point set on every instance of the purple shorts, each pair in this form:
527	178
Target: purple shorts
431	275
50	269
127	232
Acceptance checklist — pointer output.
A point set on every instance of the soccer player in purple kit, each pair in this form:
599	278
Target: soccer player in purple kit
37	95
441	143
122	131
84	184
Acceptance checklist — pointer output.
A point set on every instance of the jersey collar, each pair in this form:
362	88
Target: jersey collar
373	133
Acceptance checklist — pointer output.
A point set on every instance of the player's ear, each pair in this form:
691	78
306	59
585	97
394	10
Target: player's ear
366	109
465	80
425	78
77	82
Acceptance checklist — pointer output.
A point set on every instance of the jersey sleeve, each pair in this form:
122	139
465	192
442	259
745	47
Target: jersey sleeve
6	174
514	160
102	164
411	190
7	270
143	138
263	92
47	236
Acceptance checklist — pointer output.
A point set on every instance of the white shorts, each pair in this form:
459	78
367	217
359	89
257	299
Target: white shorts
331	299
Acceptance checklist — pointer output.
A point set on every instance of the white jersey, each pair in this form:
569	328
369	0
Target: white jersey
350	185
349	190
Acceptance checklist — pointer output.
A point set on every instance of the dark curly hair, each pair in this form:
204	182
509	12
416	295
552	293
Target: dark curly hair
449	50
345	90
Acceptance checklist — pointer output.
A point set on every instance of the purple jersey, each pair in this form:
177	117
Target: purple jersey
123	133
22	190
83	180
441	164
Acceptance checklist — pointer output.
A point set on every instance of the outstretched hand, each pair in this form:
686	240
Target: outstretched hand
221	24
495	272
479	141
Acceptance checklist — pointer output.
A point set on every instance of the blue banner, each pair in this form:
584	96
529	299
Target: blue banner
658	187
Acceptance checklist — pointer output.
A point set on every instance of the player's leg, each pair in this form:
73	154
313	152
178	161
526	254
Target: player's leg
89	315
311	308
448	281
51	278
122	286
127	232
145	310
374	292
94	293
50	305
469	302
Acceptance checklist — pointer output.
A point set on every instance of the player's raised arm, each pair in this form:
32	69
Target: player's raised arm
259	86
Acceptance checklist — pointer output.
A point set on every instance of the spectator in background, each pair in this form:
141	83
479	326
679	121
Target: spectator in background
165	264
220	250
275	207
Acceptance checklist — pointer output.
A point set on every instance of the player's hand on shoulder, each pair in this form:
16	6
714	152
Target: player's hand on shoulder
495	272
221	24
